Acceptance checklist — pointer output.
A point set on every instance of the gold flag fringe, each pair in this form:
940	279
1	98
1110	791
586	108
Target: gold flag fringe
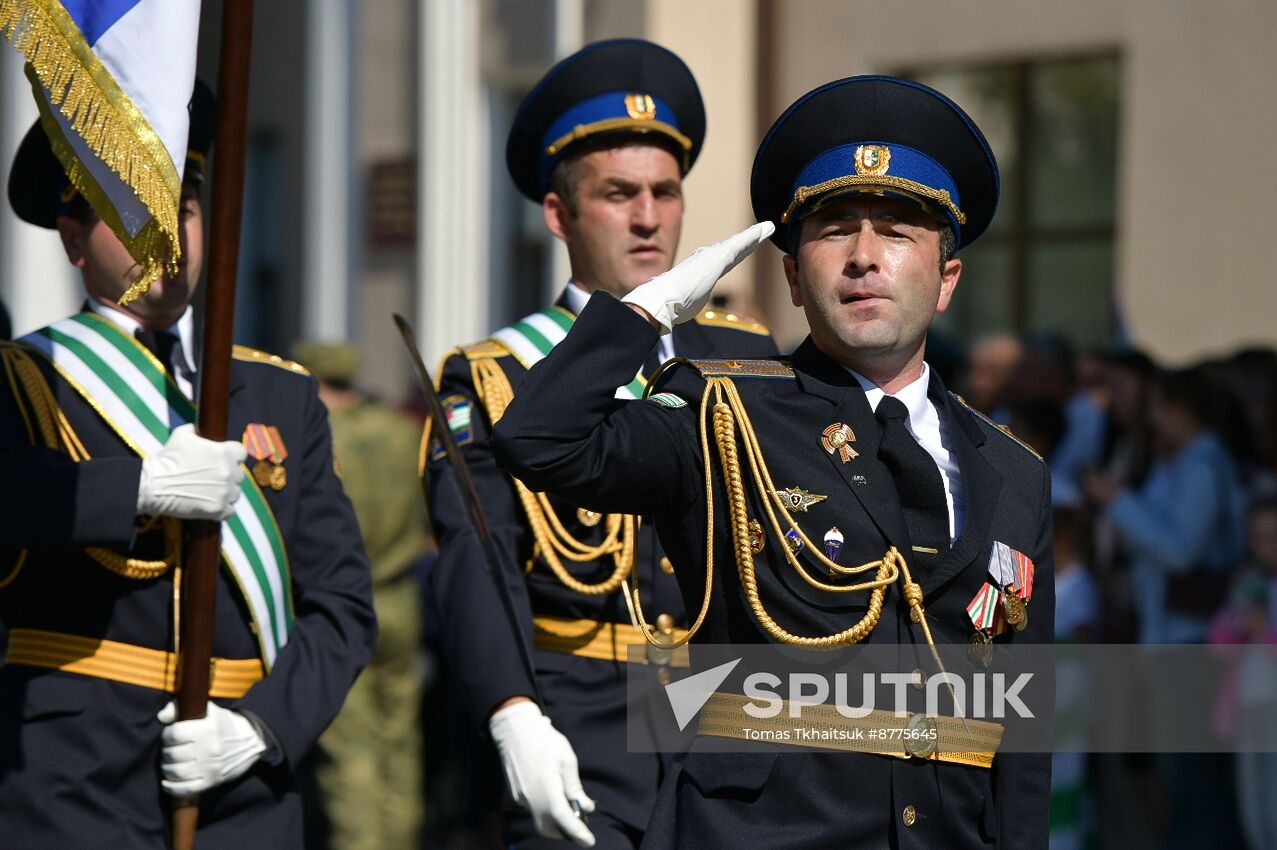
80	86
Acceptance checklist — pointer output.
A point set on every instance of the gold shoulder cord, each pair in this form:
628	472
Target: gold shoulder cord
729	415
46	423
553	540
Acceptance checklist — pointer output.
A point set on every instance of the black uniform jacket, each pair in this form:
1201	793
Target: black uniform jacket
586	698
565	435
79	756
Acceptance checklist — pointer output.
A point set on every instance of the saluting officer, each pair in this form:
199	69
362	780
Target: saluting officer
100	463
603	143
846	461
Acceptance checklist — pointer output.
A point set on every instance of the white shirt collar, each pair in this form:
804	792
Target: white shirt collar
914	396
185	327
577	297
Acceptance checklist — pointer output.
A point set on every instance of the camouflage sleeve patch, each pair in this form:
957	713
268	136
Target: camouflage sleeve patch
667	400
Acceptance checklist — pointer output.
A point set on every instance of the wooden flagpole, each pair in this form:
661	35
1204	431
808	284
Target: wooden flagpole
199	579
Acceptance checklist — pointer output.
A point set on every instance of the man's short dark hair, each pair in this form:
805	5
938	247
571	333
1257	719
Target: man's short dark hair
948	245
565	179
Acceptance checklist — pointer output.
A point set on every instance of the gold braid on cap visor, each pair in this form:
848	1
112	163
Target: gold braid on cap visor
608	125
881	183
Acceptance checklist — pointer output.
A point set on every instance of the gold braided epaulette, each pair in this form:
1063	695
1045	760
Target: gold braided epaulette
252	355
485	350
1004	429
742	368
720	319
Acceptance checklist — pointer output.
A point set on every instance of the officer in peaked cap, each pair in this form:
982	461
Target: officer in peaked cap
869	185
602	143
90	558
607	93
880	136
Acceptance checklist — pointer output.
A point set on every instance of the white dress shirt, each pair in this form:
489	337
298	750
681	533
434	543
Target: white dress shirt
933	433
183	369
577	298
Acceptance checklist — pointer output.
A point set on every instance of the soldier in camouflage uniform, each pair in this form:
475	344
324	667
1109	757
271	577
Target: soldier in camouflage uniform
371	779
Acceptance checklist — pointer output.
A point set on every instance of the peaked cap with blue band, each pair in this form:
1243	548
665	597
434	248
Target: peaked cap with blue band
39	189
880	135
621	88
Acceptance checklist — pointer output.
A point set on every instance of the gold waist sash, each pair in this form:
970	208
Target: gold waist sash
946	739
604	641
122	662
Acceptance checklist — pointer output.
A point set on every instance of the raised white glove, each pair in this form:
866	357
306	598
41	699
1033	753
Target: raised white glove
200	754
541	770
191	477
682	292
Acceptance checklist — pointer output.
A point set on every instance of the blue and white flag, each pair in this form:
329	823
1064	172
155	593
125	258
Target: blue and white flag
113	79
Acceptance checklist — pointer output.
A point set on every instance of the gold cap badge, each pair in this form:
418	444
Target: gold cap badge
872	160
640	107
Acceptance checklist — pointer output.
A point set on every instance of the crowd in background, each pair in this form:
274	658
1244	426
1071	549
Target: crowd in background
1164	482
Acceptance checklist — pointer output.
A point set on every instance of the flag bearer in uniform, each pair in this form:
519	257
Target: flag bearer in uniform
602	143
100	465
868	185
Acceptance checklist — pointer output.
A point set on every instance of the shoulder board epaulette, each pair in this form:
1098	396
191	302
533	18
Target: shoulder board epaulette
485	350
252	355
719	319
742	368
1004	429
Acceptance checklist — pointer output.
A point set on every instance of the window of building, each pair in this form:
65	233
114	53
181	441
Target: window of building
1047	261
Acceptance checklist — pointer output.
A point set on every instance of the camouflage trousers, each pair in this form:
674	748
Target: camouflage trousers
371	780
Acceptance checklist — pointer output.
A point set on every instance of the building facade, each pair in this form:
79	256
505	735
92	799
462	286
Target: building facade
1134	139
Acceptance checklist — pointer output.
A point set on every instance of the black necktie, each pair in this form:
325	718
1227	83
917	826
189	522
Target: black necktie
161	344
918	481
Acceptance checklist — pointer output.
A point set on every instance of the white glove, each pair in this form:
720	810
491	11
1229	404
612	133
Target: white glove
541	770
682	292
200	754
191	477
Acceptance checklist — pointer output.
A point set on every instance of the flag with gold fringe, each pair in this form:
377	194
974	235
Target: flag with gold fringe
112	79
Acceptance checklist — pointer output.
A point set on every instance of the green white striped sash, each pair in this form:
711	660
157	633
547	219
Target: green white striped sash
129	389
533	337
